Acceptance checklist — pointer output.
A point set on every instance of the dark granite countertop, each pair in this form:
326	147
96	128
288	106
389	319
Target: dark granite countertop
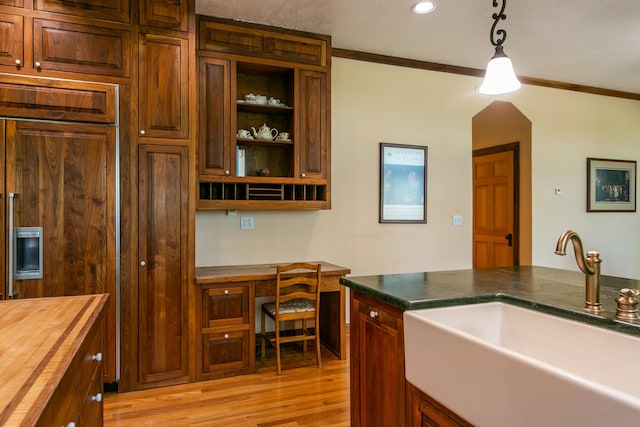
554	291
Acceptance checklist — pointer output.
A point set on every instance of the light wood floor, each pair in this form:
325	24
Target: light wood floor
303	396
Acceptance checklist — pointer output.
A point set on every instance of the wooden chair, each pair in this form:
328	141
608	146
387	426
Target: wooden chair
297	298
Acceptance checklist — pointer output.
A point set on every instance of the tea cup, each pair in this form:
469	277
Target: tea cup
250	97
283	136
243	133
261	99
273	101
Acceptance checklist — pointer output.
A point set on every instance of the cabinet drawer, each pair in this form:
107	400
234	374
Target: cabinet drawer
76	48
227	352
227	305
11	40
90	363
380	317
63	407
91	406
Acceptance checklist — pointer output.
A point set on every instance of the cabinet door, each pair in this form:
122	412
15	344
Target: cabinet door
106	50
214	117
377	365
113	10
11	40
171	14
163	87
163	264
314	124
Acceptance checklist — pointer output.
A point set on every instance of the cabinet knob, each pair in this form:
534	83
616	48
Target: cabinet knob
304	175
97	397
38	64
143	132
18	62
226	336
227	172
97	357
226	291
373	314
142	263
71	424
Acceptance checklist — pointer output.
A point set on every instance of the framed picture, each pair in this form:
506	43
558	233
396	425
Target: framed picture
611	185
403	183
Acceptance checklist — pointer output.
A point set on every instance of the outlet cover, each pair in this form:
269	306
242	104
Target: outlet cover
246	223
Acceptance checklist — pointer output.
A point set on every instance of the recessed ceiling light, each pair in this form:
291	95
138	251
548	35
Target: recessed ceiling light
424	7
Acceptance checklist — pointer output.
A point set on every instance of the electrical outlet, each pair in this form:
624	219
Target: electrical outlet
246	223
457	220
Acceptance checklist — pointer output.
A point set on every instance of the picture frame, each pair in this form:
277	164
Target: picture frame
611	185
403	183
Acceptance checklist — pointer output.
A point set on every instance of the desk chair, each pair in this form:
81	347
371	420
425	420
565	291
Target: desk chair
297	298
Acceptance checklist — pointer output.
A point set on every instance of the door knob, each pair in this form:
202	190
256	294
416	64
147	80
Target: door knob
509	238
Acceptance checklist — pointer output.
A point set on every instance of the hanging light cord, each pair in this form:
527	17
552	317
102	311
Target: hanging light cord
502	34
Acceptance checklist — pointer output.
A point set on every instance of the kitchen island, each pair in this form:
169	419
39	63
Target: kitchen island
379	393
51	361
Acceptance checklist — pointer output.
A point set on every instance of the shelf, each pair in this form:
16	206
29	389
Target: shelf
250	141
255	191
263	108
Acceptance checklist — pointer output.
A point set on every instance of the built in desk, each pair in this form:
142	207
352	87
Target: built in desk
225	315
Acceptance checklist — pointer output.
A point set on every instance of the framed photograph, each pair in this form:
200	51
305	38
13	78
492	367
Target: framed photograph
611	185
403	183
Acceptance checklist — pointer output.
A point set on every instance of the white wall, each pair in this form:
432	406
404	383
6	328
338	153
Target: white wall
373	103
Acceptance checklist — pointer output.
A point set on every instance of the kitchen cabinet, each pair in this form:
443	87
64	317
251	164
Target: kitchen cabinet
111	10
169	14
291	73
423	411
52	46
163	286
62	340
377	363
163	95
226	335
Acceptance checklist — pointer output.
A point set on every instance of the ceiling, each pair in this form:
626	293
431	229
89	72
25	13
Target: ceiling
583	42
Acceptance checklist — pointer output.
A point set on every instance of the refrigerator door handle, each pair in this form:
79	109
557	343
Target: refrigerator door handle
11	258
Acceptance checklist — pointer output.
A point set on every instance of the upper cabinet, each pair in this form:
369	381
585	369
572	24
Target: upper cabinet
111	10
169	14
264	140
163	87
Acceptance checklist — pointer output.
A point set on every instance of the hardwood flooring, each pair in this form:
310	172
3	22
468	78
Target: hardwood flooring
303	396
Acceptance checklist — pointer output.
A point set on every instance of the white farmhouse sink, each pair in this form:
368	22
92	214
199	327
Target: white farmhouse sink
497	364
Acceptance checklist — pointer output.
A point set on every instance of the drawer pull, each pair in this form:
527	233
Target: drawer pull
226	336
18	62
97	397
38	64
226	291
373	314
97	357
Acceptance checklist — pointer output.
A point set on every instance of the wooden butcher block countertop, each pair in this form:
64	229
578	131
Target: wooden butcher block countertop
38	340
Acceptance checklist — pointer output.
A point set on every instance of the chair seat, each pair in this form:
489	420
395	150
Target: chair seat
293	306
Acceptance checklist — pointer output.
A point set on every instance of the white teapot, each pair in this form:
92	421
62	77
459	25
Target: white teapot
264	132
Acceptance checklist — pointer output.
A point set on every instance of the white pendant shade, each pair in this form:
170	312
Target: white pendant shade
500	77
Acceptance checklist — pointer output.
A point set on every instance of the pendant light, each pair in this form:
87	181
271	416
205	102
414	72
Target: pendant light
499	77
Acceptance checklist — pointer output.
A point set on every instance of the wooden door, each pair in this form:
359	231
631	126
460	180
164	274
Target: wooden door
214	117
172	14
3	228
64	177
163	87
314	124
163	286
12	40
494	209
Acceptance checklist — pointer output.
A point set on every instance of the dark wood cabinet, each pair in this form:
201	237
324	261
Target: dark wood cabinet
290	70
377	363
112	10
169	14
424	411
226	335
163	286
105	50
11	39
163	95
214	117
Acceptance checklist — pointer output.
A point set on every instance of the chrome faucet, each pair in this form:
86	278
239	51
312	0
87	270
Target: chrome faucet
590	266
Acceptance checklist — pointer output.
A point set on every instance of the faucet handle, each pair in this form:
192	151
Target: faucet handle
627	304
